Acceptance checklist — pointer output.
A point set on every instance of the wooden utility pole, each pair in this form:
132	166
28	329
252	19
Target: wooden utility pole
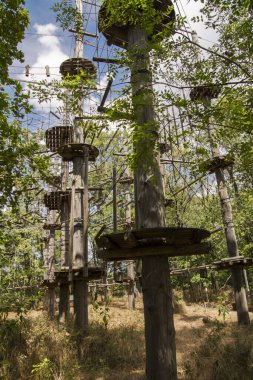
65	249
114	216
49	258
227	217
128	220
150	212
80	212
64	291
206	94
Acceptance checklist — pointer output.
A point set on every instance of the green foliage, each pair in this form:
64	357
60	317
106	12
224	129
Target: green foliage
223	309
103	312
68	16
20	265
20	155
132	12
43	370
14	15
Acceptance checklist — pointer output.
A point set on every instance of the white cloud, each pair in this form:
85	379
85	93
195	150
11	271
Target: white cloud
49	51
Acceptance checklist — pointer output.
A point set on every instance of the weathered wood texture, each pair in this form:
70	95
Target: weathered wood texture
64	302
157	291
114	216
130	265
49	258
80	204
231	239
159	250
49	301
65	216
80	291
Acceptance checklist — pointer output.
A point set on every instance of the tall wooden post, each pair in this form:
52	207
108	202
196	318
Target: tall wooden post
49	266
157	291
80	212
65	213
206	95
130	264
64	289
114	216
231	240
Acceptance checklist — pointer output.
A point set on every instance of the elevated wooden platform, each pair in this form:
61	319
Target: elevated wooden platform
70	151
168	241
53	199
204	92
164	147
118	34
77	66
217	162
58	136
223	264
233	262
94	273
51	226
125	180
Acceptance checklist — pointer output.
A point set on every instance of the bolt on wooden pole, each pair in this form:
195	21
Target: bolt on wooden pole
156	286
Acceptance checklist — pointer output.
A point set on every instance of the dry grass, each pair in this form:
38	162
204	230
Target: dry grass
41	349
226	353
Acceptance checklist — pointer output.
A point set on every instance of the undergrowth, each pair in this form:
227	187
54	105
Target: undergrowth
36	348
39	349
225	354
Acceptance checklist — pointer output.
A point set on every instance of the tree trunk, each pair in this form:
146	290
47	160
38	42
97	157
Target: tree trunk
157	291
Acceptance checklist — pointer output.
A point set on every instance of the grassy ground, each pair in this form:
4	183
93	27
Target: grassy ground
39	349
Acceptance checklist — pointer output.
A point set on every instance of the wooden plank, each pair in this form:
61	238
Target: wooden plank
171	251
130	238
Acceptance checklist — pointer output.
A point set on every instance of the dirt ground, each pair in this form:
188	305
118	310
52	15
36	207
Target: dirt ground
118	351
191	328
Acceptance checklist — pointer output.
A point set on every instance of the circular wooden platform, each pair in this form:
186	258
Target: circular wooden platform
70	151
53	199
202	92
58	136
169	241
75	66
118	34
217	162
52	226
